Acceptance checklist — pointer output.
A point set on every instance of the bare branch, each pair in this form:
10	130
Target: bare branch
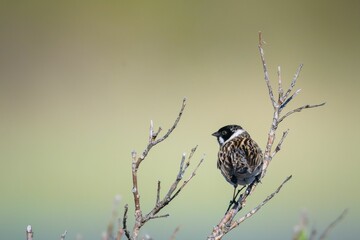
289	99
174	125
283	99
293	83
278	147
153	142
141	219
299	110
156	134
280	88
120	231
136	161
332	225
182	170
126	231
173	235
253	211
159	216
223	227
186	181
158	192
151	131
171	194
266	73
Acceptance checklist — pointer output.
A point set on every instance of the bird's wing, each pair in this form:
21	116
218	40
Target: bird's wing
247	156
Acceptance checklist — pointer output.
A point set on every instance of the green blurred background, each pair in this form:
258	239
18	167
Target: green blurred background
81	80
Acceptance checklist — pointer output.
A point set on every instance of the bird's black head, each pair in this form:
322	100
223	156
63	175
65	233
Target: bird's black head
225	133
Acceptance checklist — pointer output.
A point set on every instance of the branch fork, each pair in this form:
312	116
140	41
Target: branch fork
175	188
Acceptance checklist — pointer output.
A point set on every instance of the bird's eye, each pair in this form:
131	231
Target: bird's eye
224	132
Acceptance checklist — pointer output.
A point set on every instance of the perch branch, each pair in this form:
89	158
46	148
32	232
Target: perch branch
254	210
226	222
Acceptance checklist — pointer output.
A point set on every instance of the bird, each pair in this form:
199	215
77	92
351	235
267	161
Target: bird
240	159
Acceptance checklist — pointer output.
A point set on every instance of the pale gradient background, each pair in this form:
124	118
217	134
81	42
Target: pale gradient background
81	80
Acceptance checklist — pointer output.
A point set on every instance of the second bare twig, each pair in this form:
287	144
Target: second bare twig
299	109
154	139
173	235
254	210
332	225
126	231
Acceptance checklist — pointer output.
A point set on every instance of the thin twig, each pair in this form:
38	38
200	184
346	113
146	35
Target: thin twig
290	98
280	88
181	171
126	231
278	147
158	192
120	231
173	235
170	194
159	216
293	82
332	225
175	123
136	161
151	131
186	181
167	134
257	208
141	219
266	73
299	110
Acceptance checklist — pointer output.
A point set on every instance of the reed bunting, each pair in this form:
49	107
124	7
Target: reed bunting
239	159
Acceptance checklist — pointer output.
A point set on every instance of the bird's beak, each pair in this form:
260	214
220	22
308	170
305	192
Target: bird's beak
215	134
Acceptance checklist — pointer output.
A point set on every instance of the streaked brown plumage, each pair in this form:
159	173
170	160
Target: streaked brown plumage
239	159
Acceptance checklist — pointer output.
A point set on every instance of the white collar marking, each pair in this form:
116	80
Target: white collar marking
235	134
